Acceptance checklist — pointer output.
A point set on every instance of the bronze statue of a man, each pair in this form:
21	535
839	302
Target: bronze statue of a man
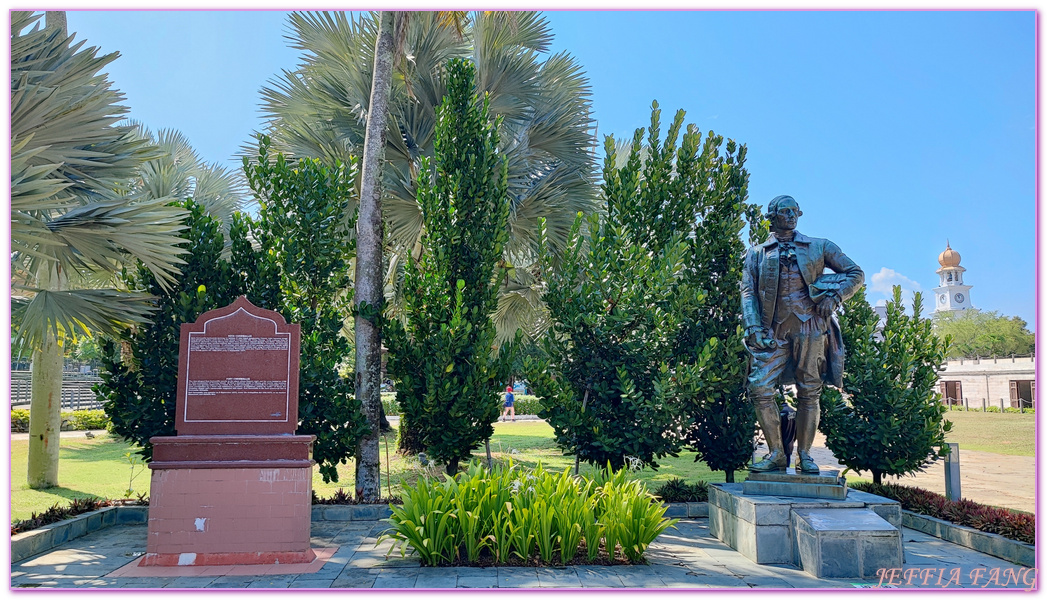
791	331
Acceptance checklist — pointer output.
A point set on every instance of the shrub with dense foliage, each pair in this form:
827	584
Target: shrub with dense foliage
678	490
890	418
606	379
1011	524
300	269
441	348
509	516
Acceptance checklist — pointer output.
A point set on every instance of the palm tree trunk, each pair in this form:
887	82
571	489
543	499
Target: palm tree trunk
369	281
45	414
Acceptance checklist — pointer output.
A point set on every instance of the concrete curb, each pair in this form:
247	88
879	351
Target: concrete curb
687	510
30	543
987	543
26	544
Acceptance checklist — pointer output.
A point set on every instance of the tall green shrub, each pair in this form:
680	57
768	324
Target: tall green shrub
890	418
305	229
698	191
300	268
607	383
140	369
441	349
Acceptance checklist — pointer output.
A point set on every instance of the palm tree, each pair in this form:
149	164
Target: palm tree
331	106
73	221
323	108
179	173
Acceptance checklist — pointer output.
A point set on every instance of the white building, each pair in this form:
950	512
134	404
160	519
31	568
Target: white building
1005	382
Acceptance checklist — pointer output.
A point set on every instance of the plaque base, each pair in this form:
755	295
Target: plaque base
213	516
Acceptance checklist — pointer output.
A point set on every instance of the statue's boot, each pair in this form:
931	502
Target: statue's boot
806	426
767	415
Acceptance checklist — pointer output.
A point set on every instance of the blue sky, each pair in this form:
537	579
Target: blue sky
895	131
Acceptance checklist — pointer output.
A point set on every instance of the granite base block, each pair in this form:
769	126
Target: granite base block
838	543
763	528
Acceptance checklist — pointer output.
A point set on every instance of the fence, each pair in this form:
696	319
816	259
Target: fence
76	391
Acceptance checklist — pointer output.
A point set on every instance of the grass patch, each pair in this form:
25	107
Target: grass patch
1001	433
97	468
87	468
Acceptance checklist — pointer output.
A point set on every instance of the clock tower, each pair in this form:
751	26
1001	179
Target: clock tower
951	295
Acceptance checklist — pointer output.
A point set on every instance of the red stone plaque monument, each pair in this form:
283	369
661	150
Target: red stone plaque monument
234	486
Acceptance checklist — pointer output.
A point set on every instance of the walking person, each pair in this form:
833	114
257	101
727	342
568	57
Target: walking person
509	409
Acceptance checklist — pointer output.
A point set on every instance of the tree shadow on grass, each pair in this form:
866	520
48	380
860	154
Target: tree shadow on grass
109	448
60	492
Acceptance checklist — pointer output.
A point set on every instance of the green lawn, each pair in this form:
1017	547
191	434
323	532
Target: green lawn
1001	433
98	468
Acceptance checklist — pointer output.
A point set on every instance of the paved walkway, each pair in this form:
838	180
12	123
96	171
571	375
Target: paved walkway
685	557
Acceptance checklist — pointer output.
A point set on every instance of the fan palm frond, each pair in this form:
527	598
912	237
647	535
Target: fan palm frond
547	134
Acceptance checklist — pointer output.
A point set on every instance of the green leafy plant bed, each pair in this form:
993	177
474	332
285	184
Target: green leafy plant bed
1011	524
78	506
509	516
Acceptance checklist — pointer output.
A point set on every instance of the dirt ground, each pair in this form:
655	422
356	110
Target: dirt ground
985	477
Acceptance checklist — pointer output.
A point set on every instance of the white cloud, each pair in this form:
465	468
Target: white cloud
884	281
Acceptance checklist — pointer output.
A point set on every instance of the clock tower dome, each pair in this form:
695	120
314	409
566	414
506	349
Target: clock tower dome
951	295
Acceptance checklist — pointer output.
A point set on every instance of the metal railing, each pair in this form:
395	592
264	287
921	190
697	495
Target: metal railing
76	390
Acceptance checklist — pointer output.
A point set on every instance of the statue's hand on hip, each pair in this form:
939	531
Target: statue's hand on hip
760	339
828	305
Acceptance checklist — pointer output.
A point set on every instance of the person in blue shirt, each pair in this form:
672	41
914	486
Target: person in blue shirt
509	409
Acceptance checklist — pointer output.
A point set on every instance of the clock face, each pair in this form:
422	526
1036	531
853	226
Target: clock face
941	299
959	297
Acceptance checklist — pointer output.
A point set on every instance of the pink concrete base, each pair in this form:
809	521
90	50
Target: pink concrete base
136	569
226	558
209	516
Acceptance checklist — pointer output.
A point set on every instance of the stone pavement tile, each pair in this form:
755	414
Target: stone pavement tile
311	583
435	578
355	578
639	576
676	577
709	568
471	571
597	576
50	580
478	581
518	577
190	582
272	581
766	581
717	581
558	577
234	581
332	567
366	560
395	581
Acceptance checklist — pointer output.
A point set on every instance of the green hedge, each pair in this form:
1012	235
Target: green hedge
994	409
78	420
525	404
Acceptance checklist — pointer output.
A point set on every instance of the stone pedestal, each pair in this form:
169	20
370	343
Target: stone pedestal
763	529
845	542
234	487
827	484
230	500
